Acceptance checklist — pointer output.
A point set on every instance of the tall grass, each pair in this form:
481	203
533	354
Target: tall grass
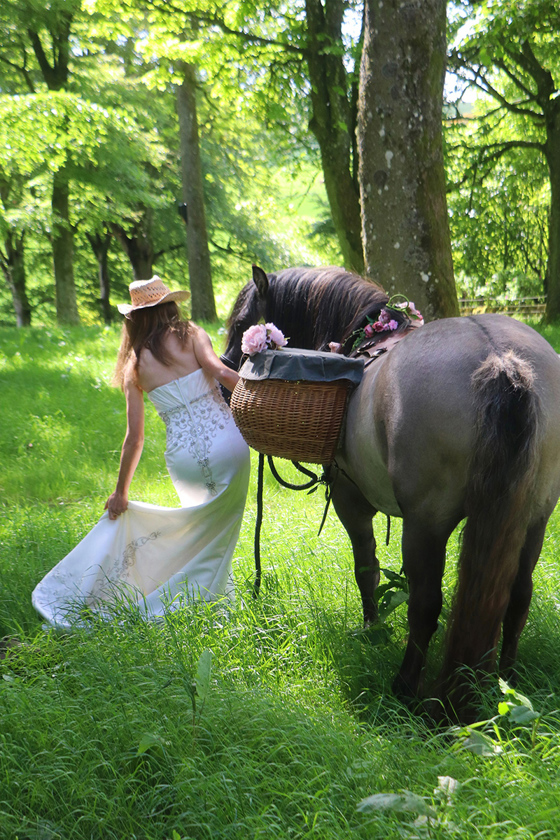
103	734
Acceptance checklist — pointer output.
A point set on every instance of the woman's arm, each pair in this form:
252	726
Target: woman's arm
210	363
132	446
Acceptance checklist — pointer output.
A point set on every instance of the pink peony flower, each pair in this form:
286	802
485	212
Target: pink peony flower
415	313
368	330
384	317
378	326
260	337
392	325
254	339
275	337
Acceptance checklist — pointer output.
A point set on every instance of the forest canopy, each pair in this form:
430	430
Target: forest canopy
193	139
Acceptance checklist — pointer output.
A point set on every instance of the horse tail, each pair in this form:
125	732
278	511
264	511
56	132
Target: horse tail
500	481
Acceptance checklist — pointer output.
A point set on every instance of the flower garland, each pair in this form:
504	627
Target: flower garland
397	304
262	337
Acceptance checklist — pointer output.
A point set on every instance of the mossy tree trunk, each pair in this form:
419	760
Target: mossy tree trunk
138	245
63	250
53	63
552	153
333	122
405	227
100	243
13	267
198	254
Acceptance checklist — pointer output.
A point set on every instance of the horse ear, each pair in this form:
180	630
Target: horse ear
261	281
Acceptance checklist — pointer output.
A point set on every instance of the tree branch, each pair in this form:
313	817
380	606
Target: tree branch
42	60
229	250
201	16
168	250
502	148
528	61
23	70
480	80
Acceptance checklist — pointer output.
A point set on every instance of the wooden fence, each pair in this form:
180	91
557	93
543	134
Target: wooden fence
516	306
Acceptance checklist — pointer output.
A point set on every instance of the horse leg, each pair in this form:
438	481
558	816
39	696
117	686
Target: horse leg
356	514
520	598
423	552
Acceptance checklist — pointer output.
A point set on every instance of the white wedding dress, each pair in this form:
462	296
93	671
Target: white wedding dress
154	557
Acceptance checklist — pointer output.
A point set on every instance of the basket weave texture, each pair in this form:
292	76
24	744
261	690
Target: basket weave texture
300	421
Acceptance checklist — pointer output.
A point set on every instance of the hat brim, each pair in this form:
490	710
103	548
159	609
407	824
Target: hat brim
126	308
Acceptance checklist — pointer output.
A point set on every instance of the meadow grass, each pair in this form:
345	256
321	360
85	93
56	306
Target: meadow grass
101	732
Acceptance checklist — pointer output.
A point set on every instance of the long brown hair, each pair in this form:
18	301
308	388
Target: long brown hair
148	328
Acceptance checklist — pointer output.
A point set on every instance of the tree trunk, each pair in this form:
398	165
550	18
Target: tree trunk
54	69
13	268
333	124
100	247
552	150
198	255
63	251
138	246
405	226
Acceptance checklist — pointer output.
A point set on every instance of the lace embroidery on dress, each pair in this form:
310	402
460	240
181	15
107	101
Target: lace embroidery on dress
194	427
104	586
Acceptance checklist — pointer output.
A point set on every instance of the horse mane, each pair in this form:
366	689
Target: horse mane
242	305
322	305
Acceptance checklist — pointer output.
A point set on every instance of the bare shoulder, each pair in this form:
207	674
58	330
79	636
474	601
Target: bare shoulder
200	336
130	376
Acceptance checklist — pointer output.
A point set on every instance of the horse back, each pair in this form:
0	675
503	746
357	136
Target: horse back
412	423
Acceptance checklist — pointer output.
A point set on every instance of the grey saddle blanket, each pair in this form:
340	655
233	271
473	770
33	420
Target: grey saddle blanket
295	365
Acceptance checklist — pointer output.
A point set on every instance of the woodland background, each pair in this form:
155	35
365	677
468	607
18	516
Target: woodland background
115	115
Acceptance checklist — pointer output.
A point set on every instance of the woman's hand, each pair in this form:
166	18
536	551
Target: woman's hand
116	504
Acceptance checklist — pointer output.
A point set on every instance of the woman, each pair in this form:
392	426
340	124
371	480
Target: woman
154	557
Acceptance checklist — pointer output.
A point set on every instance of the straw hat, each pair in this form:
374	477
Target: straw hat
145	293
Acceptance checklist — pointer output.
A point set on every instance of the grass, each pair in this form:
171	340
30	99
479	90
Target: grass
102	734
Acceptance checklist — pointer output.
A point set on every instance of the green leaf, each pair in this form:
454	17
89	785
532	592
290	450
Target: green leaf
447	785
481	744
203	673
505	687
399	803
523	715
394	577
381	590
149	742
485	56
391	602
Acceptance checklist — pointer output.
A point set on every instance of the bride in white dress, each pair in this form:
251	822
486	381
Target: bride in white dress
153	557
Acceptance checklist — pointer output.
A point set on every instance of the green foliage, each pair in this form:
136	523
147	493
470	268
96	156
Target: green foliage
113	128
501	150
498	219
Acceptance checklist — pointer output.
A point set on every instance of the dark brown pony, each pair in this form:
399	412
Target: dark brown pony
461	420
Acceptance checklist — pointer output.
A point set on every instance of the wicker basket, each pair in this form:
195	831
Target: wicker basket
300	421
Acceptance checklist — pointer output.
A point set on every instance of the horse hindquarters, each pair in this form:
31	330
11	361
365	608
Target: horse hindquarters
501	478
